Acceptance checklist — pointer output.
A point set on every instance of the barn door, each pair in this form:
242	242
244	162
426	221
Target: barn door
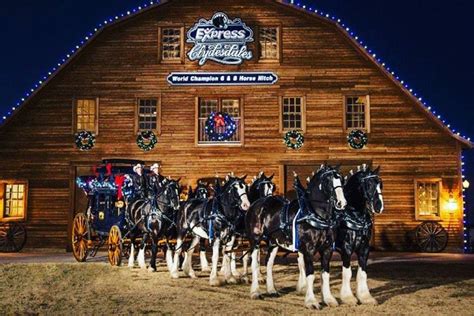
305	170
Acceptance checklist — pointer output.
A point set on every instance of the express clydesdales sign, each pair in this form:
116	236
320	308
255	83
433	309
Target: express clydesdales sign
220	39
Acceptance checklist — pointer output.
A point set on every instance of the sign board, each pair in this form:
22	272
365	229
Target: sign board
220	39
221	78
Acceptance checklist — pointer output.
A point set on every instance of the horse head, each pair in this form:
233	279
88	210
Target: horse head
170	194
326	184
262	186
365	189
201	192
234	192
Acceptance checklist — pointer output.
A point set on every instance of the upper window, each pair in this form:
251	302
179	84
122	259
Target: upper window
231	106
148	114
86	115
268	43
13	196
356	109
292	113
427	195
171	44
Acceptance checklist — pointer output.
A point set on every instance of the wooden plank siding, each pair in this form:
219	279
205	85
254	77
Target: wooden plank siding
318	63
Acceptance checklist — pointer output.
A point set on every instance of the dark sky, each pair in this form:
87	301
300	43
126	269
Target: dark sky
427	42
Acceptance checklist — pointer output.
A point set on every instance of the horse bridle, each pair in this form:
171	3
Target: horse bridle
168	203
262	182
332	198
201	191
369	198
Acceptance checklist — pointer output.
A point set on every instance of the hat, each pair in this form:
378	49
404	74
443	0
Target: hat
154	166
137	166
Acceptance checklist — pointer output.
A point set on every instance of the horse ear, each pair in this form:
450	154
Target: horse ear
377	170
295	174
232	174
243	177
321	167
337	167
308	180
271	177
260	174
179	179
227	178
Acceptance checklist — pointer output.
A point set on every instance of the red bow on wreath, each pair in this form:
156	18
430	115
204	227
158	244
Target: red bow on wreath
219	121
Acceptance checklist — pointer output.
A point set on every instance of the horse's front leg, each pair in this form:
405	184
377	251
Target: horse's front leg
154	251
175	262
347	297
188	255
131	258
213	279
362	292
226	262
310	300
301	286
202	256
141	252
326	255
254	289
271	259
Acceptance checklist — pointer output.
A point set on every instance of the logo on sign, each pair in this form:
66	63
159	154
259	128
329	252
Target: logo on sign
221	40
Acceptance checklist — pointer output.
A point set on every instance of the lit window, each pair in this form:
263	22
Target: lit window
292	113
356	112
268	40
86	114
230	106
13	200
147	114
171	44
427	198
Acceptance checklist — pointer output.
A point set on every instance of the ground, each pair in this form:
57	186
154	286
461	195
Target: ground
55	284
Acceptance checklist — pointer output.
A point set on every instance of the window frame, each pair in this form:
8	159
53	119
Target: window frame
367	111
279	45
303	112
157	131
4	183
182	58
219	97
74	114
419	217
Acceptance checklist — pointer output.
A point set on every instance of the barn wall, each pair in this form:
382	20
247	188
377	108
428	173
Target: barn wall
319	63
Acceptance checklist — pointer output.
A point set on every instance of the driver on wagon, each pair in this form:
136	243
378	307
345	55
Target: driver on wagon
155	181
139	182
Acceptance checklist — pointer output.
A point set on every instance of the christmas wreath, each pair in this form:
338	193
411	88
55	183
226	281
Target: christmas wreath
146	140
220	126
293	139
85	140
357	139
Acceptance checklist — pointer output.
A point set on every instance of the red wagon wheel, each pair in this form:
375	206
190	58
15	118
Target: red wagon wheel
431	237
115	246
80	237
12	237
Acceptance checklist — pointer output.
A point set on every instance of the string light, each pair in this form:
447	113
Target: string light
465	185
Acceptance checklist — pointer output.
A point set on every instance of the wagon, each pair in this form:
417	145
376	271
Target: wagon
12	236
103	223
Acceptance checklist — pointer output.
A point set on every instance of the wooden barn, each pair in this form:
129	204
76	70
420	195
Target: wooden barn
269	66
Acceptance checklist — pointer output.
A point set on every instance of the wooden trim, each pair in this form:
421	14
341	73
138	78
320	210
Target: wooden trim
303	112
3	183
219	98
278	60
157	131
182	58
427	217
74	114
367	111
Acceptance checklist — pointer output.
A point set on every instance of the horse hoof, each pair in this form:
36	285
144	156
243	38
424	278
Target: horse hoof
214	282
231	280
205	269
256	296
349	300
312	304
301	290
174	275
274	293
368	300
150	269
331	302
245	280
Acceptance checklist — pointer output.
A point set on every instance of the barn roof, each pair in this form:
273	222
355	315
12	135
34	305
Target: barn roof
358	44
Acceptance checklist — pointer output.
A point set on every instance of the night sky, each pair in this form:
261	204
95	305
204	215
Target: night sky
428	43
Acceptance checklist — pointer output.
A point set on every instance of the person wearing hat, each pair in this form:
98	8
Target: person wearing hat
155	180
139	182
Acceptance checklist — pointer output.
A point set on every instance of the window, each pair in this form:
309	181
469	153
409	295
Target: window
356	109
172	44
427	195
13	196
86	115
148	114
292	113
231	106
268	43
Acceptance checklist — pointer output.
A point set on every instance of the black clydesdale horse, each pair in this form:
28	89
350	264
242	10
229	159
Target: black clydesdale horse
213	220
364	198
155	219
313	214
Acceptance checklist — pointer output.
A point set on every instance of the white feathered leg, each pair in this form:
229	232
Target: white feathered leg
175	264
346	292
328	298
204	262
188	255
254	289
229	278
362	292
310	301
270	284
213	279
141	258
301	286
131	259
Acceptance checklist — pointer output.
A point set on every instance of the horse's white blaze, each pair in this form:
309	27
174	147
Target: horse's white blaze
346	291
302	276
341	200
244	200
270	285
141	258
268	189
255	269
379	191
362	287
131	259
